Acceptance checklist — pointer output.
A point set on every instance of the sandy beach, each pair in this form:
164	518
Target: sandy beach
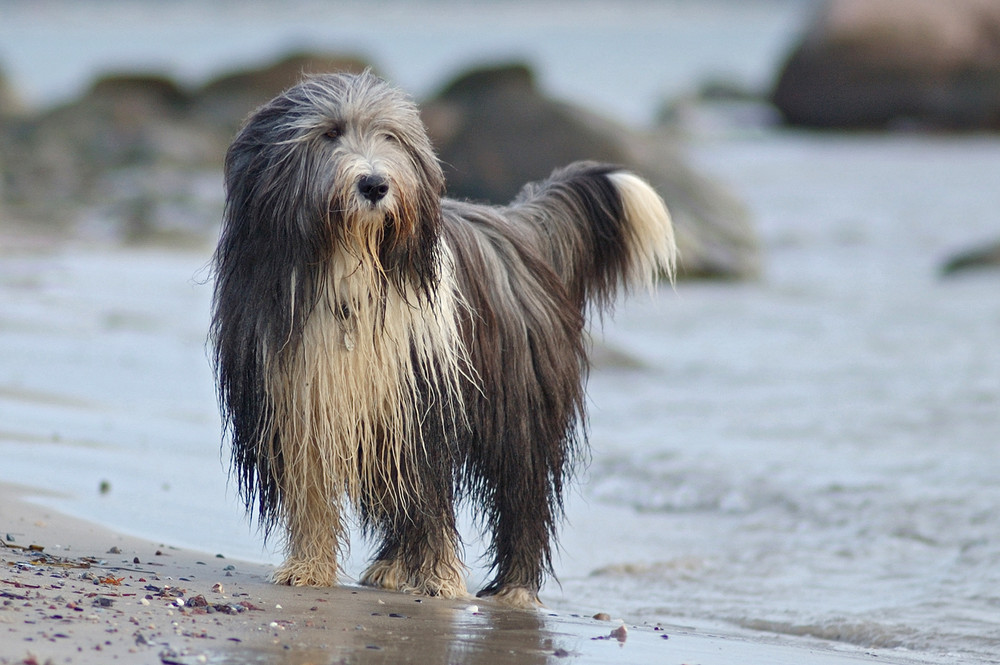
74	592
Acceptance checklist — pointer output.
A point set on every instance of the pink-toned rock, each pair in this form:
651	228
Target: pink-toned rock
881	63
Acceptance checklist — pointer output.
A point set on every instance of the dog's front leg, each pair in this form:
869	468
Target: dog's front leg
421	557
420	543
312	522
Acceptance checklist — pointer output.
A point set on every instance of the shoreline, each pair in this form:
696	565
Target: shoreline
76	592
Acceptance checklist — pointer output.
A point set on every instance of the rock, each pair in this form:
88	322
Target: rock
137	157
121	152
886	63
9	103
226	101
718	106
495	131
715	237
975	258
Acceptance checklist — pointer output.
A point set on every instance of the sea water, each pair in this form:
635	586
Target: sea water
813	453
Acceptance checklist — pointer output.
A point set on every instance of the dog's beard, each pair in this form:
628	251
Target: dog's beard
386	243
368	227
362	229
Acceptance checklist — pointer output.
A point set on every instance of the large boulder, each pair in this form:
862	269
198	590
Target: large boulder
227	100
9	104
495	131
122	157
883	63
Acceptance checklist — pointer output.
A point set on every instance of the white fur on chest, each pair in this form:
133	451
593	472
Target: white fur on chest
371	366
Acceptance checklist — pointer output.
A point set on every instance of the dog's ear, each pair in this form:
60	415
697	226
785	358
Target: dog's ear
410	253
417	143
272	240
429	163
432	175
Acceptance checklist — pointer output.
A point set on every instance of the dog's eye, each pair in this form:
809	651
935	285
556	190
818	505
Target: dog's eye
334	133
391	138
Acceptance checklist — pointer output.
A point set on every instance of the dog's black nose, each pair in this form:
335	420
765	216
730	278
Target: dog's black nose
373	187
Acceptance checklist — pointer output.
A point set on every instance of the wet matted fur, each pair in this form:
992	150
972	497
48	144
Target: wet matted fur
382	349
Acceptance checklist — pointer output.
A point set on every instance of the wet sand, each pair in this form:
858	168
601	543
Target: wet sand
74	592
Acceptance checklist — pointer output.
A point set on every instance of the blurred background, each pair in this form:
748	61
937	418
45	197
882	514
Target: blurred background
798	442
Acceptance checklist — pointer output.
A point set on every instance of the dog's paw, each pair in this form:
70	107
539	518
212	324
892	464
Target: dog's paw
386	574
518	597
296	572
453	587
393	576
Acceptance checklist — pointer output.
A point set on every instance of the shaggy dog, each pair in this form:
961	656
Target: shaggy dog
384	349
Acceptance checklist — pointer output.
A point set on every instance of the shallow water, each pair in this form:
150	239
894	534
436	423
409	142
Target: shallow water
815	453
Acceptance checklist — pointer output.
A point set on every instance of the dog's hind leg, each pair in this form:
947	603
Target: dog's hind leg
522	521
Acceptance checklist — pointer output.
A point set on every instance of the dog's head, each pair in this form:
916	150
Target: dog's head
343	161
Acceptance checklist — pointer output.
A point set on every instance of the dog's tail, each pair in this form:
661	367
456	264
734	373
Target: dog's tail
601	227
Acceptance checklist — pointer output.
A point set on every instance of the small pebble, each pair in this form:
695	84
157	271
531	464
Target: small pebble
602	616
